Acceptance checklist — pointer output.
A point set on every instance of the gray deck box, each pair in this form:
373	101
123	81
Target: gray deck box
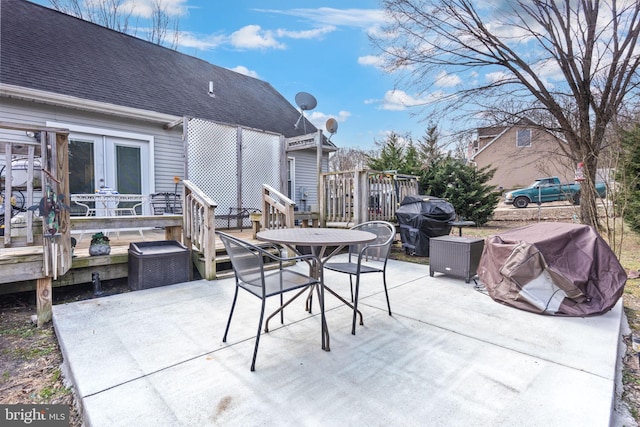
455	256
159	263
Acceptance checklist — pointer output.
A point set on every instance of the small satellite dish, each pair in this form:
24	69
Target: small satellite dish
332	126
305	102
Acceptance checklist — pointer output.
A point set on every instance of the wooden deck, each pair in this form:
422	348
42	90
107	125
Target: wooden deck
112	266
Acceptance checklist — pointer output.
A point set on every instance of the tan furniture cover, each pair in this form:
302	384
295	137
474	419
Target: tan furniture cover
552	268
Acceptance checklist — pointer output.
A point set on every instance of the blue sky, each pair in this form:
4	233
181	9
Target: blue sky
319	47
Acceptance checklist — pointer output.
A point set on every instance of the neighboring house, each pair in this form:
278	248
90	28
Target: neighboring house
520	153
141	114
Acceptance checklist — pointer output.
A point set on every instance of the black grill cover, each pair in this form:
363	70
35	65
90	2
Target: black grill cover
422	217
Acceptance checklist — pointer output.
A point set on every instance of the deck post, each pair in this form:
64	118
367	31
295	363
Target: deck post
44	299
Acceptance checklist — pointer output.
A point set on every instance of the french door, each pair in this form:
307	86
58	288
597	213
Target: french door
98	161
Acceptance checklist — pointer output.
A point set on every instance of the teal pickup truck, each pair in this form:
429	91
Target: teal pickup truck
548	190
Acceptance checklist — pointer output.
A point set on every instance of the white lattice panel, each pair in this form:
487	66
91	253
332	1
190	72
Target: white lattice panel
260	165
212	151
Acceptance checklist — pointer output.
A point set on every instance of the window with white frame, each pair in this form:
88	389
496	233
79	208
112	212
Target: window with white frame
523	138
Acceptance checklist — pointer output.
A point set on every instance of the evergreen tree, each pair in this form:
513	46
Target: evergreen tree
391	155
428	148
412	164
629	177
464	186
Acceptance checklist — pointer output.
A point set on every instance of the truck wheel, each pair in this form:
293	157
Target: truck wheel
576	198
520	202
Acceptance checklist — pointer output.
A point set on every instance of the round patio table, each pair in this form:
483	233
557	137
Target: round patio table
318	240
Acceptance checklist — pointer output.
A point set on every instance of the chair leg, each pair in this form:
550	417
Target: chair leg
281	311
309	302
386	293
255	350
351	286
355	305
233	306
325	330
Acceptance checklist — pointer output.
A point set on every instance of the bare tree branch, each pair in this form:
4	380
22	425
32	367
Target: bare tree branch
577	60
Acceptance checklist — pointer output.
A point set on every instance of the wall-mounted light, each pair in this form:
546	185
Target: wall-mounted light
34	135
211	94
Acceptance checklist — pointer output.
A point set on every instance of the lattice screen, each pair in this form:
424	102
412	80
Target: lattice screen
214	150
260	165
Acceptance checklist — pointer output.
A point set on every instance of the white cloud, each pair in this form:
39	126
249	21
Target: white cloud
398	100
306	34
444	79
373	60
319	119
190	40
254	37
497	77
362	18
244	70
144	8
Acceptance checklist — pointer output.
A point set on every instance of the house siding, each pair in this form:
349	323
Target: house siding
168	146
519	166
306	177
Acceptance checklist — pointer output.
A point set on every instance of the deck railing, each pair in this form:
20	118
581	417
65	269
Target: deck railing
353	197
199	226
277	209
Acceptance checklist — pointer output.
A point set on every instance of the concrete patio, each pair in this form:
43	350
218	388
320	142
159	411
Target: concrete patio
449	356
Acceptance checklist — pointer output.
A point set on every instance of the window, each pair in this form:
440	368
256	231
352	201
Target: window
523	138
101	157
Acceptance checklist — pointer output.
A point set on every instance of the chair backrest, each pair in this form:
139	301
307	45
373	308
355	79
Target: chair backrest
378	249
166	203
246	259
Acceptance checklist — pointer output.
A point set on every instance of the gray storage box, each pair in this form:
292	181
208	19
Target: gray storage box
456	256
159	263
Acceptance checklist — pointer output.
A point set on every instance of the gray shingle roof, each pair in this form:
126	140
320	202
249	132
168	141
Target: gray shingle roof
50	51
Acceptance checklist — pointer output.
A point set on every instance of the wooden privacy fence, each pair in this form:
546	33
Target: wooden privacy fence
353	197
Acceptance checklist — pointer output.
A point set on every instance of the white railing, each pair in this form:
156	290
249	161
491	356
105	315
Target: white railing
277	209
199	226
353	197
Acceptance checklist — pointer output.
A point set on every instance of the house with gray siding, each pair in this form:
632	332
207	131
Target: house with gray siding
140	114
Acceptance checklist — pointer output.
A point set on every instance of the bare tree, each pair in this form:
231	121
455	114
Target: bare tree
117	14
578	60
160	23
347	159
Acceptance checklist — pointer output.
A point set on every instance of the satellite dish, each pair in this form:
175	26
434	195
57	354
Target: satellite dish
332	126
305	102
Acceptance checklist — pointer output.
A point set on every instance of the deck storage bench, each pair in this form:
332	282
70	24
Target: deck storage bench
455	256
159	263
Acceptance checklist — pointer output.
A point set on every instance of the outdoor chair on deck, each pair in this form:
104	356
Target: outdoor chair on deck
166	203
248	263
367	258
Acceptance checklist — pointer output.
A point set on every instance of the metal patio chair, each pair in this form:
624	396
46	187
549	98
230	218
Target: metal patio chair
367	258
248	262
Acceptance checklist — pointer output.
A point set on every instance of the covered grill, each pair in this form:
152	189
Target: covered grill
423	217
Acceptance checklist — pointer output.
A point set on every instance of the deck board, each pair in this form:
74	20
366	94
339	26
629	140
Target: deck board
110	266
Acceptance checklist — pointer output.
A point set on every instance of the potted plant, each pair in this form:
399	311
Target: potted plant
99	245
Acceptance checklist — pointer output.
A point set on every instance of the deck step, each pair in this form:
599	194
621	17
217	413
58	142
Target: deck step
223	262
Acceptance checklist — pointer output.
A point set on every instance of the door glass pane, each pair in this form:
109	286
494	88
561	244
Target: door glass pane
81	167
128	173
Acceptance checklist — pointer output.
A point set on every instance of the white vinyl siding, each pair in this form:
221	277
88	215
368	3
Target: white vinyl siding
168	149
305	178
